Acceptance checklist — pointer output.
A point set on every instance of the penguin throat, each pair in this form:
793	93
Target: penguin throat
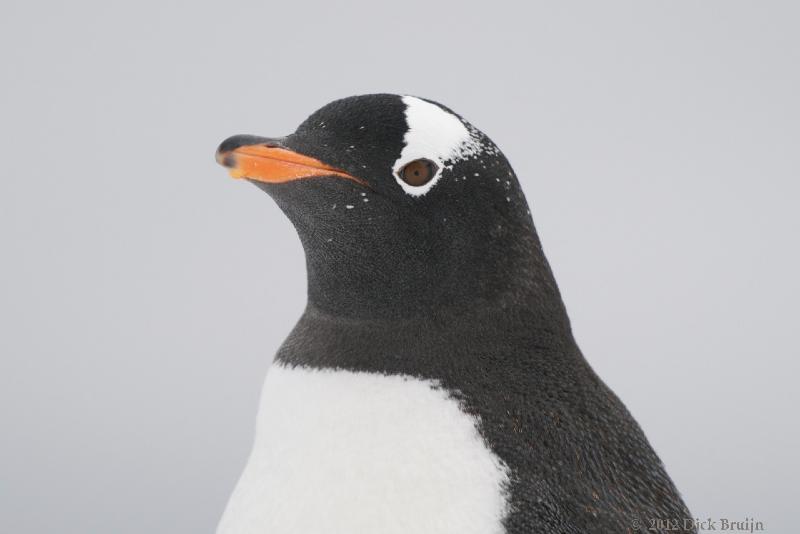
512	280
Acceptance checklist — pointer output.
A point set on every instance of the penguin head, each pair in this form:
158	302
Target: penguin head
402	206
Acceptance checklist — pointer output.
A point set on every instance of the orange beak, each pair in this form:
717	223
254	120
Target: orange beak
272	164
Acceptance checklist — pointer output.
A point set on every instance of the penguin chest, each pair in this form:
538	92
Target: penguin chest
340	452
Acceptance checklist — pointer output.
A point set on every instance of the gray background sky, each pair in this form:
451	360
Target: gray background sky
142	292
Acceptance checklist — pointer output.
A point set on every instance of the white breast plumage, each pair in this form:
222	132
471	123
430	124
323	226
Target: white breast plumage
339	452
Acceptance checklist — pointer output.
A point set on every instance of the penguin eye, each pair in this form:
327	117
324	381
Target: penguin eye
418	172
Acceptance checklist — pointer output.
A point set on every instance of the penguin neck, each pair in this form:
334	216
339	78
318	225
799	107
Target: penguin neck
509	283
450	341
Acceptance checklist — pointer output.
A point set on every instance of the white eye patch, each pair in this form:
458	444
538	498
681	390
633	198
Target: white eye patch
435	135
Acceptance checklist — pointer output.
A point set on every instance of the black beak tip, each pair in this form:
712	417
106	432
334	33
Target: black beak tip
226	159
224	154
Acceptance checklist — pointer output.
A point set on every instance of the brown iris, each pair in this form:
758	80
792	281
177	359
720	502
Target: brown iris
418	172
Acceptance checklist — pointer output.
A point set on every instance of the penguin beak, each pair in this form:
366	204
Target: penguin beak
266	160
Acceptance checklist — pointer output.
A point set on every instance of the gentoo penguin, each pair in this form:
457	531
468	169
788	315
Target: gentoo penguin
433	384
